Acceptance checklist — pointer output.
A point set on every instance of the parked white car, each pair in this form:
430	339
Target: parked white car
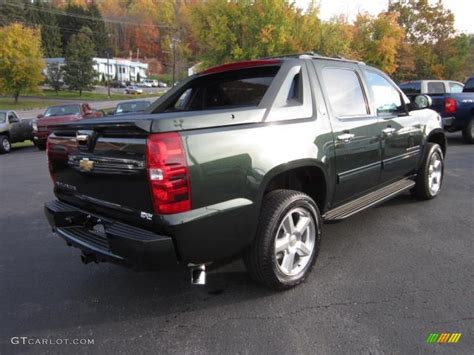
133	90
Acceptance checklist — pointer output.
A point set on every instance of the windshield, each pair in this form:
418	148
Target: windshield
132	107
62	111
2	117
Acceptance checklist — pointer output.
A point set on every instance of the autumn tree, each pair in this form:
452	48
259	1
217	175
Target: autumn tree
21	60
78	71
235	30
377	40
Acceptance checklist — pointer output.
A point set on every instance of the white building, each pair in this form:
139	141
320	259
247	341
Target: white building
121	69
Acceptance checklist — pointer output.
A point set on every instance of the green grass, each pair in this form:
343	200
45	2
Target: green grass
7	103
22	144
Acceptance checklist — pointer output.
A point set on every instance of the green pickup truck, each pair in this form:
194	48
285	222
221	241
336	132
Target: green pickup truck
247	160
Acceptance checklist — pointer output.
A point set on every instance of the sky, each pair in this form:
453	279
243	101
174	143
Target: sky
463	10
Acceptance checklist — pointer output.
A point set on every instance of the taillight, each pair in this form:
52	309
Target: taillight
168	173
450	105
50	163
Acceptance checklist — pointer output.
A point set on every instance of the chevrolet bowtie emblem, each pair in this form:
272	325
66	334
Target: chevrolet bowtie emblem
86	165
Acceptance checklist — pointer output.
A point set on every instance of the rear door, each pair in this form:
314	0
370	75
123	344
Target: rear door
356	131
400	132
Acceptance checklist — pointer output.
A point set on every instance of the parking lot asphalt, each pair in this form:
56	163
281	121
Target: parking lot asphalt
384	280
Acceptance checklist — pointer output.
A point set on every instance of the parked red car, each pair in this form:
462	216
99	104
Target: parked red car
59	114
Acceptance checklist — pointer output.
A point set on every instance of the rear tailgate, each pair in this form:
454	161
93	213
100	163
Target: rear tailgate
102	166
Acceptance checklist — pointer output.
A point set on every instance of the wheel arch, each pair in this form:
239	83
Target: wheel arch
439	137
307	175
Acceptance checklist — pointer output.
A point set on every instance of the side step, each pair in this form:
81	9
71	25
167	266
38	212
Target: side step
369	200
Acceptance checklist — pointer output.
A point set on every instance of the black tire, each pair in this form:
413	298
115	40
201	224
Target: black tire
468	132
41	146
260	260
422	188
5	145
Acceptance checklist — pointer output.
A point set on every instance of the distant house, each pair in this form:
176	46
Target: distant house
118	68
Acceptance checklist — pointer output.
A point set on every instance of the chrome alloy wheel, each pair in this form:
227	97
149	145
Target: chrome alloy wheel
295	241
6	145
435	173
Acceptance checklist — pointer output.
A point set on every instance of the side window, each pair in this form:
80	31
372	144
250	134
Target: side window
435	87
455	87
387	100
12	118
344	92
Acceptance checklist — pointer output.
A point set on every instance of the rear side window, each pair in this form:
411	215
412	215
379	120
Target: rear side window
238	88
469	87
344	92
455	88
436	88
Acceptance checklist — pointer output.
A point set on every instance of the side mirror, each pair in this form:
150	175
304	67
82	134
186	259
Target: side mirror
422	101
40	117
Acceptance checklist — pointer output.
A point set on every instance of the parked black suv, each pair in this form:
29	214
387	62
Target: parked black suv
245	159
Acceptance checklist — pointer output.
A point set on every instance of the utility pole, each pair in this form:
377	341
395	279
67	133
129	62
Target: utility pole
173	46
108	75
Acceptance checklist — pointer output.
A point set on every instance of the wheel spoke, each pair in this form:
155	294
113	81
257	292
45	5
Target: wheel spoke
289	224
302	224
282	243
302	249
288	261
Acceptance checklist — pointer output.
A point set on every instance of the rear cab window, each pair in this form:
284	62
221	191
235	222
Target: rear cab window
469	87
230	89
435	87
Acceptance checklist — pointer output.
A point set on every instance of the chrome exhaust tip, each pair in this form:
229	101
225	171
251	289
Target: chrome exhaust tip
198	274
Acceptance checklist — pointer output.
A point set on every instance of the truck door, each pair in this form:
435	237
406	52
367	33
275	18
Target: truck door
355	130
400	132
16	133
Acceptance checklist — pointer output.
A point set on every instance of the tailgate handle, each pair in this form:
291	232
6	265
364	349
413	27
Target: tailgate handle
85	139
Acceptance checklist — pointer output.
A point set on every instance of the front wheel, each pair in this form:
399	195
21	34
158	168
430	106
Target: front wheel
5	145
430	176
468	132
287	242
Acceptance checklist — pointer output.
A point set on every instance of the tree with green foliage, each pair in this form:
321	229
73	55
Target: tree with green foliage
40	14
79	17
423	21
55	76
11	11
20	60
79	72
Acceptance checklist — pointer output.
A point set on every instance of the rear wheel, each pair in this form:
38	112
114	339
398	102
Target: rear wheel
430	176
287	241
468	132
5	145
40	146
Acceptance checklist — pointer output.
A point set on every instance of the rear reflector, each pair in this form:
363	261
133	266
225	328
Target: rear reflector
168	173
450	105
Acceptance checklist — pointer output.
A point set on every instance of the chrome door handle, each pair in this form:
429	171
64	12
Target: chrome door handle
388	131
345	138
